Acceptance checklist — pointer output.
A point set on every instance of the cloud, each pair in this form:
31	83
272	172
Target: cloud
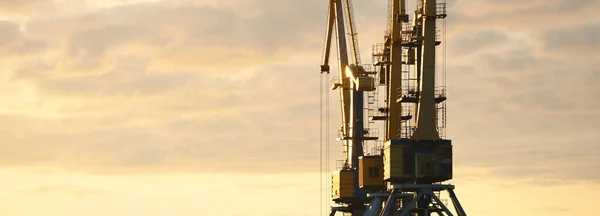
128	77
181	129
477	41
573	39
528	104
9	32
208	86
21	4
467	15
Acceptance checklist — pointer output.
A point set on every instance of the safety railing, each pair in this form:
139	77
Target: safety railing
440	10
367	133
410	90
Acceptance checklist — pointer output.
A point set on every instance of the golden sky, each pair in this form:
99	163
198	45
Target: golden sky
210	107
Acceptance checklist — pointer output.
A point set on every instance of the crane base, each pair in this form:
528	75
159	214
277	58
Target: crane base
408	200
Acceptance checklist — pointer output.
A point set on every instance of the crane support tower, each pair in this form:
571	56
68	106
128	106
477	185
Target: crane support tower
404	172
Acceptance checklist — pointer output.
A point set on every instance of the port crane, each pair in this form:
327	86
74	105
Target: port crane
405	175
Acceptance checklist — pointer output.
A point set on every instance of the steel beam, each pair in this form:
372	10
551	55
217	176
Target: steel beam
460	211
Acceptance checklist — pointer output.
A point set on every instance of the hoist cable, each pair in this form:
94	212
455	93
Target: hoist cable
328	192
321	145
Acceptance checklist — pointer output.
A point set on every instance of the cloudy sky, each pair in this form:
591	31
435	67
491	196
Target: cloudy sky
187	107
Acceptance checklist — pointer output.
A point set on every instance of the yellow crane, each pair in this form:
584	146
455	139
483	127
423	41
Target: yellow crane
405	175
352	83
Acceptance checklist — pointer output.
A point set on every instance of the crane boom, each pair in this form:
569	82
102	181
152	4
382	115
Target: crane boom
353	32
330	27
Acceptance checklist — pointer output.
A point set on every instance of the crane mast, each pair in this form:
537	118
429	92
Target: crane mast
405	175
393	61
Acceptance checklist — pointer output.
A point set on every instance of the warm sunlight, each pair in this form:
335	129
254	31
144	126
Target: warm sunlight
211	107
